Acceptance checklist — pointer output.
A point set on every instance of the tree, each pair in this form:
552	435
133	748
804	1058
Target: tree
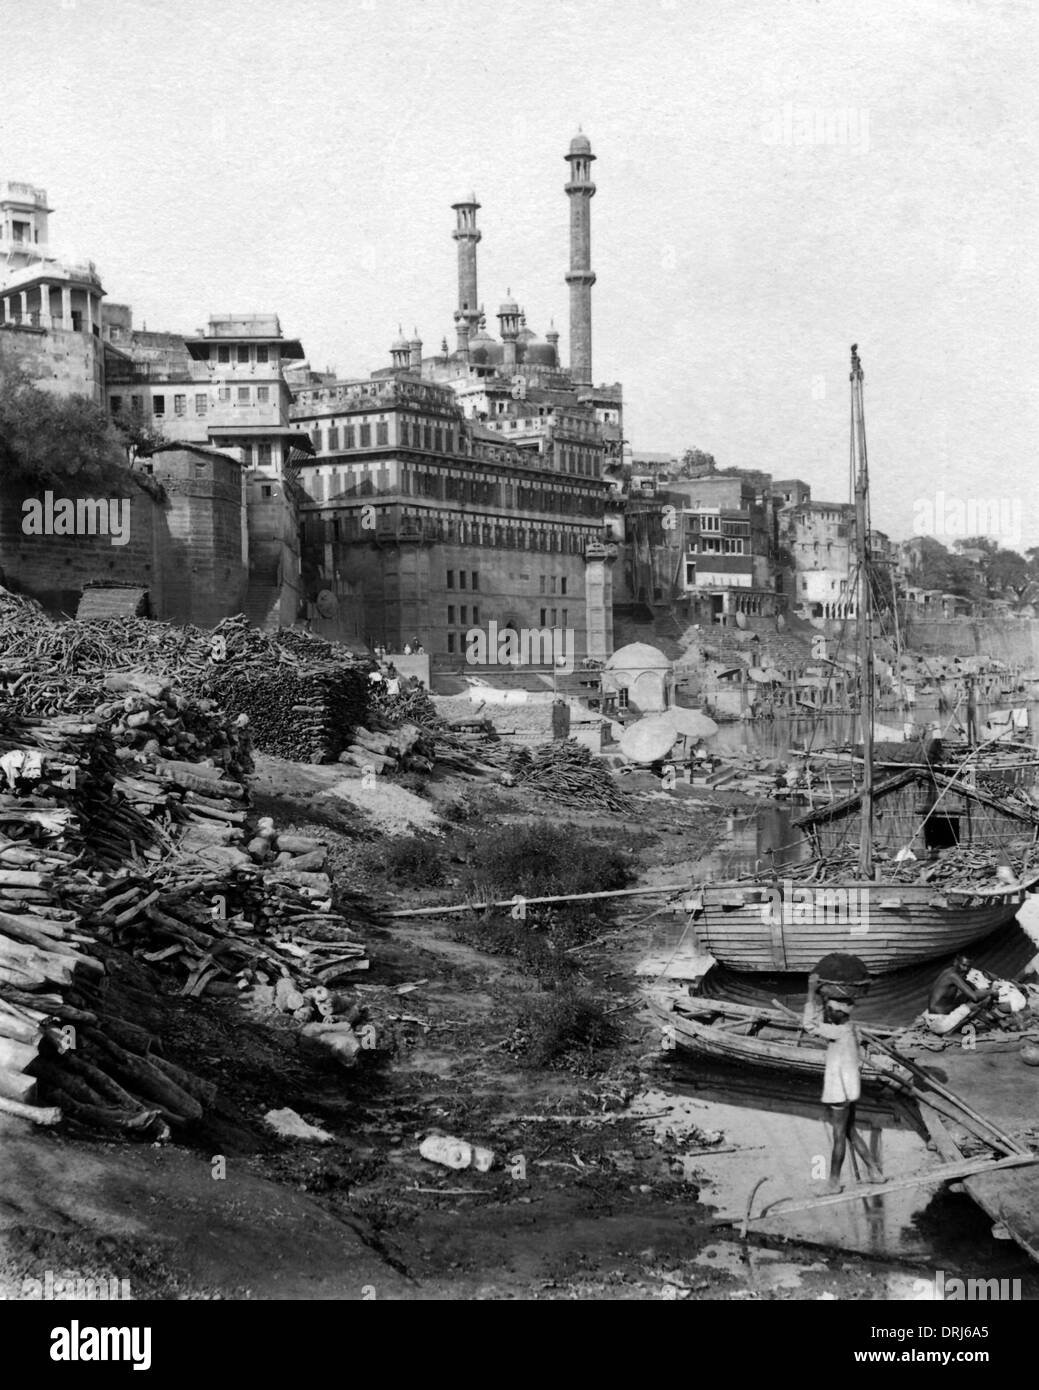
139	433
939	569
695	463
48	440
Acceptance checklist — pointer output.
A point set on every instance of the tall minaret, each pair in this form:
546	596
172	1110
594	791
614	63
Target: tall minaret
467	234
580	190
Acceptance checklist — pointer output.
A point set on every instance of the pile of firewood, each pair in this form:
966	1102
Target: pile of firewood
566	772
406	748
301	713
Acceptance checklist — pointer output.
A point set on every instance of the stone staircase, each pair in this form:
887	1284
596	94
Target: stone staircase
262	597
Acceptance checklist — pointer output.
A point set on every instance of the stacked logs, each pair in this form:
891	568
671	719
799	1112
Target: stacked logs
567	772
304	714
406	748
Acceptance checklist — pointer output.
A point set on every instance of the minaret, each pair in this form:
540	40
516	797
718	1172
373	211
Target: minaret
467	234
400	353
509	318
580	190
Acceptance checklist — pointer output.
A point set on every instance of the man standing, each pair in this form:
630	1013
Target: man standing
842	1083
953	999
560	718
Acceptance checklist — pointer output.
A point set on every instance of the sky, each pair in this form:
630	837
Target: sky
776	180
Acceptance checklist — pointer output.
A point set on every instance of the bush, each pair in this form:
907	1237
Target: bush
552	1026
416	861
541	860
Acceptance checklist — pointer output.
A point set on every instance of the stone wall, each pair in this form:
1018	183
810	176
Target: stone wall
187	551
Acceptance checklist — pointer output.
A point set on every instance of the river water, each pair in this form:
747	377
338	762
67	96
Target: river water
775	1122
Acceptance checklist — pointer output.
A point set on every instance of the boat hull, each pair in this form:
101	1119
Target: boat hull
768	927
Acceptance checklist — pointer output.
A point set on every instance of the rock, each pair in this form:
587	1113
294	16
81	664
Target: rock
448	1152
292	1126
336	1040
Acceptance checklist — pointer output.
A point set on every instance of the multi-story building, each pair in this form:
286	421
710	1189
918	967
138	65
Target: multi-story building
820	537
485	461
424	523
224	387
50	308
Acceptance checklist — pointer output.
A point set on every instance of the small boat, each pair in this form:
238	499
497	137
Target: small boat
889	910
748	1036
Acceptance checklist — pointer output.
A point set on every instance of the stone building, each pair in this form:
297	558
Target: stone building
821	539
50	308
225	388
483	462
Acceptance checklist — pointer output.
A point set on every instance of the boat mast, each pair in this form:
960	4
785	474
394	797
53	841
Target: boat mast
865	611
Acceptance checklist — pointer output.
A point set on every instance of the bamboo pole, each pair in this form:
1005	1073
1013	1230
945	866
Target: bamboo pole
948	1172
528	902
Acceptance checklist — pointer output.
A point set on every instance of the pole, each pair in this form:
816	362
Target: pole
865	634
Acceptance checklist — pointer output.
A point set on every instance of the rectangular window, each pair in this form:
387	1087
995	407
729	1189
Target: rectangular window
116	404
366	436
315	438
223	354
438	440
476	580
244	392
562	585
622	697
348	437
224	393
263	455
405	433
450	641
382	433
553	582
553	617
544	615
201	403
543	583
262	354
266	490
451	614
450	579
461	579
333	439
476	613
180	405
462	614
427	437
243	354
566	620
263	394
159	405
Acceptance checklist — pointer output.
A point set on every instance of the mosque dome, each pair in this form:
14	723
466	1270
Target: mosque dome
540	354
509	306
580	144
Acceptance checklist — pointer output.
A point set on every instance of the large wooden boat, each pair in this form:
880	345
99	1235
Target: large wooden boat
887	925
888	910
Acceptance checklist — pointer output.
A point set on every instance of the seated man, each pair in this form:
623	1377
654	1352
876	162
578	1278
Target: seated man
953	999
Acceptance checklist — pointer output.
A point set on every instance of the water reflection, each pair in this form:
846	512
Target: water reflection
776	1125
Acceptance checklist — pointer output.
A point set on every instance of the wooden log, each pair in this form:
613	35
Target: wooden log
38	1114
143	1078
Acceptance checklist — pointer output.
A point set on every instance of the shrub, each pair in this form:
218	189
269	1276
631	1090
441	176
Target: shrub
416	861
552	1026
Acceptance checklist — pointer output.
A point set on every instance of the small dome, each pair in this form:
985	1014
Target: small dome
638	656
509	306
526	335
399	343
580	144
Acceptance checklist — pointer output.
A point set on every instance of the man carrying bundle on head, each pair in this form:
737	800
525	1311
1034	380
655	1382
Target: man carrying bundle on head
842	1082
